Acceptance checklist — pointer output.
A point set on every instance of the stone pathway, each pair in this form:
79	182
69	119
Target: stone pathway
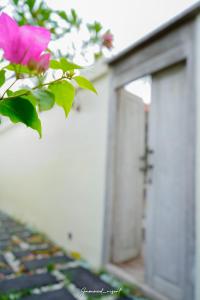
33	268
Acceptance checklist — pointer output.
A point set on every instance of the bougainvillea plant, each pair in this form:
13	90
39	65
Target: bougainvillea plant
25	57
72	37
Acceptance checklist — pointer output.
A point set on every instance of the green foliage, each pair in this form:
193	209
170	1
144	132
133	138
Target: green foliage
19	109
17	93
64	93
95	27
67	65
15	295
30	3
51	267
84	83
24	104
61	24
19	69
45	99
64	65
54	64
2	77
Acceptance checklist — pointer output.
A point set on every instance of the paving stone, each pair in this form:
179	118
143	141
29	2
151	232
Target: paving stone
83	278
126	298
4	268
26	282
6	272
22	253
4	217
14	230
44	262
5	244
4	236
24	233
4	239
2	259
11	224
19	254
62	294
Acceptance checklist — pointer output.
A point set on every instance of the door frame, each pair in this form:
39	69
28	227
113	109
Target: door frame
172	47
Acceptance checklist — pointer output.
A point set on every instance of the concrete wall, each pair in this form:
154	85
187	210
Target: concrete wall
57	183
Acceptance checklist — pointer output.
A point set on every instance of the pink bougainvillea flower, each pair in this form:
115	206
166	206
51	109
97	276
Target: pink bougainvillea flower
23	44
42	65
108	40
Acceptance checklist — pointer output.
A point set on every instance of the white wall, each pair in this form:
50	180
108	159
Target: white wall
57	183
197	76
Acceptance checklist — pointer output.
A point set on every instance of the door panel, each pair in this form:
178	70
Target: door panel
128	198
166	255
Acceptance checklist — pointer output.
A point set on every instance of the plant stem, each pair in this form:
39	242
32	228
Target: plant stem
35	87
8	88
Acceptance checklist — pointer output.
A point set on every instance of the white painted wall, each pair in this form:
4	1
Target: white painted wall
197	85
57	183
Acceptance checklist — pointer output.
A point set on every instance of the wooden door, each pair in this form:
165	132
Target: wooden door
171	188
128	197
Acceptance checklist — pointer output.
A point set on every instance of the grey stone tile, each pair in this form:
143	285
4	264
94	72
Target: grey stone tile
5	244
125	298
22	253
26	282
19	254
6	271
44	262
4	268
62	294
2	259
84	279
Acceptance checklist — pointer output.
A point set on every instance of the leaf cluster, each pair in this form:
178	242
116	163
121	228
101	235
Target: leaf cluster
25	104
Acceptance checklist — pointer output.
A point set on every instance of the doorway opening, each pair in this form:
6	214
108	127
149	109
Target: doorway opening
132	160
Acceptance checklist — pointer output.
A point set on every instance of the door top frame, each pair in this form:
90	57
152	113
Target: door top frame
171	48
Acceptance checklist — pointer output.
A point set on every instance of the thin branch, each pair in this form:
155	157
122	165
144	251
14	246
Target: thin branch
35	87
8	88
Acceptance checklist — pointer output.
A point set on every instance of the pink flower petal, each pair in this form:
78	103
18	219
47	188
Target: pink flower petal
8	35
43	63
22	44
32	41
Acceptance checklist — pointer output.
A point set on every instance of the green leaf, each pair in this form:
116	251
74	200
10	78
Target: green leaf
19	69
54	64
30	3
94	27
63	15
45	99
19	109
30	97
64	93
84	83
2	77
64	65
17	93
9	93
67	65
16	2
21	92
74	20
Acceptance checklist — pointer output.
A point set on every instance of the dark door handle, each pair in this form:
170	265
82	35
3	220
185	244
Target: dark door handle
150	151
